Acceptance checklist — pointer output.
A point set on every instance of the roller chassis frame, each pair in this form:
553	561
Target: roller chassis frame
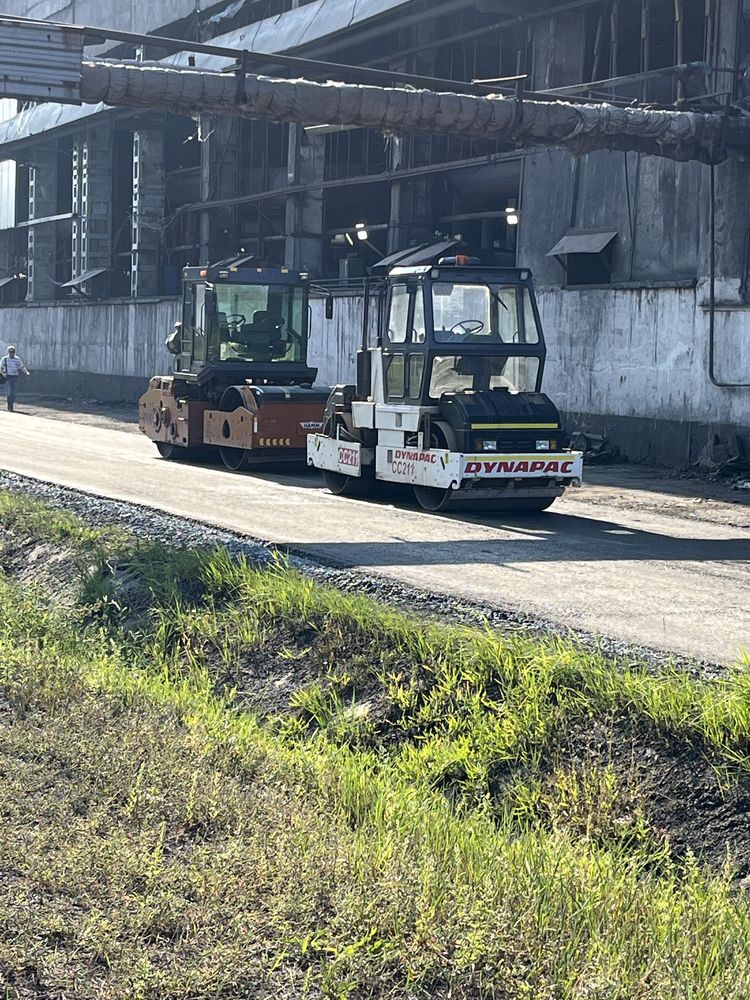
480	475
266	432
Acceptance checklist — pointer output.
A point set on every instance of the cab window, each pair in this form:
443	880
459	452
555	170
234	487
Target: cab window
416	375
418	326
395	377
398	314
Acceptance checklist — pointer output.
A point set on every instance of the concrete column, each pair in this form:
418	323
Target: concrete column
42	240
304	212
92	204
220	178
148	211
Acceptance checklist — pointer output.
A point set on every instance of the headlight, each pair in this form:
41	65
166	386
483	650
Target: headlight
542	446
489	445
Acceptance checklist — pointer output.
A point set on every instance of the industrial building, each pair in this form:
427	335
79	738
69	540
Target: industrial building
101	208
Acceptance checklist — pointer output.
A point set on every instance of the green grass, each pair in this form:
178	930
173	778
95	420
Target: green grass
405	824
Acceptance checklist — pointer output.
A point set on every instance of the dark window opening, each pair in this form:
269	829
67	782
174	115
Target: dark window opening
693	31
588	269
355	153
627	41
598	44
122	208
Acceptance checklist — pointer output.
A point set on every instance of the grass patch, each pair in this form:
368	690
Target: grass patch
260	787
31	519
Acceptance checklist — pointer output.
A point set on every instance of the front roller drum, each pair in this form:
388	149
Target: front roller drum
434	500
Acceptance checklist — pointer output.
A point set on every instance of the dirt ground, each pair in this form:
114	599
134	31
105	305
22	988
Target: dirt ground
685	494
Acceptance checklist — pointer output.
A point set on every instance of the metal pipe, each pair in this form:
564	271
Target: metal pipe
366	316
580	128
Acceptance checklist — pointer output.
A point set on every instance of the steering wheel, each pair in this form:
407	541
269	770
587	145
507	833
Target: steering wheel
468	326
236	320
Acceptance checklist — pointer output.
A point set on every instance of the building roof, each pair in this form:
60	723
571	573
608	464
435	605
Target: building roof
295	28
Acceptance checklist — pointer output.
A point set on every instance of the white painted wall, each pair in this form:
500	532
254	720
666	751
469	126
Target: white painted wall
618	352
644	353
105	338
127	338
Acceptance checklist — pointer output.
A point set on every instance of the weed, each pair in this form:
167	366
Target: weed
409	825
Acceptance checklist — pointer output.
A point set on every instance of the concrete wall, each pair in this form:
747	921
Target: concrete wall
109	350
633	364
100	350
635	369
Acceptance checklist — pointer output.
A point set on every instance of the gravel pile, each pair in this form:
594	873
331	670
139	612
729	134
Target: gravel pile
146	522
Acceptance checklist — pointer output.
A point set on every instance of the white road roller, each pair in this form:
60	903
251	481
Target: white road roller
449	399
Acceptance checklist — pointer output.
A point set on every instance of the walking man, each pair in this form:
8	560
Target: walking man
12	368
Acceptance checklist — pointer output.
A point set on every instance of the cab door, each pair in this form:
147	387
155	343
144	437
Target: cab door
403	354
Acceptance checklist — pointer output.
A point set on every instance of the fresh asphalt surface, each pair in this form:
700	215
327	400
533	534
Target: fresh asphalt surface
639	576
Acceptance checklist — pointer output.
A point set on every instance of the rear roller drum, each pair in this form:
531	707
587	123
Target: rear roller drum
348	486
174	453
340	484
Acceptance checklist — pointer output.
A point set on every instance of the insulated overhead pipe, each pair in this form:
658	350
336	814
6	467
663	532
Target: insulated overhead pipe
677	135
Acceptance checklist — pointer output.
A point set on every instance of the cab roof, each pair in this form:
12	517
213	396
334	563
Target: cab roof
244	274
464	272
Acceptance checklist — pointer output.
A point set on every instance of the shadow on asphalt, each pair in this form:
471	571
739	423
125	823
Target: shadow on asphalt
549	536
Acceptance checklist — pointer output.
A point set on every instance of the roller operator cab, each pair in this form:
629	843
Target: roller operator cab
450	401
240	380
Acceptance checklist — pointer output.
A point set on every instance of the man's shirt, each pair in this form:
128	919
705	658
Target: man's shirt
11	366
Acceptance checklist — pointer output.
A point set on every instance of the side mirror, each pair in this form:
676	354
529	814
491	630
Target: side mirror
329	307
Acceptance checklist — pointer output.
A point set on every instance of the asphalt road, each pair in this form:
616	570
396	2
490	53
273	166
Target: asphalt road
638	574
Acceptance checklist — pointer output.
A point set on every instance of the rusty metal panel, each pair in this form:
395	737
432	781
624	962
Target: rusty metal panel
40	63
228	430
592	241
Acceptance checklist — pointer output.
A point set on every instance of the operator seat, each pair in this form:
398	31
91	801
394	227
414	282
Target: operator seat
261	340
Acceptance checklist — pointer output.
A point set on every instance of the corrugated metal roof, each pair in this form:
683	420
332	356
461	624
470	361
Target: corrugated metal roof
294	28
583	241
40	64
297	27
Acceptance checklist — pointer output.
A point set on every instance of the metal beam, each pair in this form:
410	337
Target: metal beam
362	179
